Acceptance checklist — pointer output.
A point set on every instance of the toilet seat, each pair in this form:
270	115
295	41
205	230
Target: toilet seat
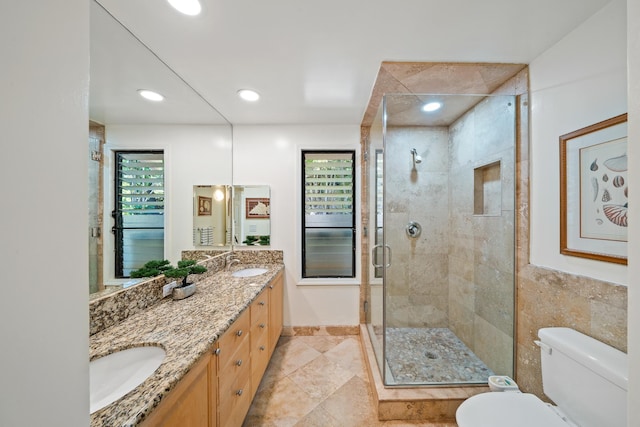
507	409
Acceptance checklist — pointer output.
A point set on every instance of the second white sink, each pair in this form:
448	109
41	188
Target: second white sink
249	272
116	374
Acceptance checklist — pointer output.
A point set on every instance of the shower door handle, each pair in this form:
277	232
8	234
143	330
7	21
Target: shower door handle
374	258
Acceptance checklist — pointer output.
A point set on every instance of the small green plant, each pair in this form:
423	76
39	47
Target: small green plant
257	240
152	268
184	269
158	267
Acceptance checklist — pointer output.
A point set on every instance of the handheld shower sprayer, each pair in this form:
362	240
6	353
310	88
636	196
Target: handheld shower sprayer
416	158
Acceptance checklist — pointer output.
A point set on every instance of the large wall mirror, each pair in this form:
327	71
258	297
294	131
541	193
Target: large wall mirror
191	143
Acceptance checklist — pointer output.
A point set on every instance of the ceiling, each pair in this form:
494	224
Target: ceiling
316	62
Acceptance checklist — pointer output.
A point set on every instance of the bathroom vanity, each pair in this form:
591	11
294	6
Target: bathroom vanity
218	344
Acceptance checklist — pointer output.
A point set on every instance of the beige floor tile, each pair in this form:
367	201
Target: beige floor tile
348	355
352	405
283	403
321	377
292	355
318	418
322	343
318	381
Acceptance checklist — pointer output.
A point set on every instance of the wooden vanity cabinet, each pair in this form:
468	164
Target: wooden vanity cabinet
219	389
188	403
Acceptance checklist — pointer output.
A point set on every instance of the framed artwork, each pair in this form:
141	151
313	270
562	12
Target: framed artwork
204	206
594	191
257	208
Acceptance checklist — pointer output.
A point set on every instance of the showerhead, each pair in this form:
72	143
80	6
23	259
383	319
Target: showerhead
416	158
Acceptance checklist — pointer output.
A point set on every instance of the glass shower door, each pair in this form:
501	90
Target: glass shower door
448	239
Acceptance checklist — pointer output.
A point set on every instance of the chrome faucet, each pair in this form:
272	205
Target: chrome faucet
231	260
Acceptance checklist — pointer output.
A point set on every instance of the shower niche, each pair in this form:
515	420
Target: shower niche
487	190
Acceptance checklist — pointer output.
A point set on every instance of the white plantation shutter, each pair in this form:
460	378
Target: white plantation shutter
329	226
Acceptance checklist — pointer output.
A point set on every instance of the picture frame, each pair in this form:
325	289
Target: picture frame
204	206
594	191
257	207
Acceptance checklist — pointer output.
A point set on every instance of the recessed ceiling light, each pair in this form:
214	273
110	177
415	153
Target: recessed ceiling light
431	106
188	7
150	95
248	95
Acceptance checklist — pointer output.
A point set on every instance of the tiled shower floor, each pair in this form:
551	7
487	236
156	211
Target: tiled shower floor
431	355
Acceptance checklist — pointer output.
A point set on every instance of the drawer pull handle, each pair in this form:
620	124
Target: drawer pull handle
239	332
239	362
217	351
262	325
239	392
261	348
270	286
261	303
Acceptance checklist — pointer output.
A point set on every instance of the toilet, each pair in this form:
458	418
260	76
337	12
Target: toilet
585	378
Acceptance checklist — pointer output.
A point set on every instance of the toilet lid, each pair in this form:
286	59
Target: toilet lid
507	409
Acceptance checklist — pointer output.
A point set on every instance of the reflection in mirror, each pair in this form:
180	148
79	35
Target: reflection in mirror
211	215
251	215
195	138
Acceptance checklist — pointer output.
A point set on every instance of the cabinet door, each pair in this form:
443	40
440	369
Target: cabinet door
188	403
275	311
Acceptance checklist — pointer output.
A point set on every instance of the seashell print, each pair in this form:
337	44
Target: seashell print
594	165
606	196
618	181
605	177
617	214
594	184
599	221
617	164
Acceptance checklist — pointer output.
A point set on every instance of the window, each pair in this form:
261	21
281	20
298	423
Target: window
139	209
328	225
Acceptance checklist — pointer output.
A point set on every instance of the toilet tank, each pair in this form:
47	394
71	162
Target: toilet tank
585	378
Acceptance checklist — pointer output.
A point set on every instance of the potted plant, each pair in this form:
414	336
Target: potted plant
182	271
151	269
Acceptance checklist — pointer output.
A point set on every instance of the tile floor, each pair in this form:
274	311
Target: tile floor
318	381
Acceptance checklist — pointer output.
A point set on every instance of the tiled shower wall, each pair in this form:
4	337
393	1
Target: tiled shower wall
417	291
481	220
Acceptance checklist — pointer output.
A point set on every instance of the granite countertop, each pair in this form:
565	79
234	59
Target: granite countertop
185	329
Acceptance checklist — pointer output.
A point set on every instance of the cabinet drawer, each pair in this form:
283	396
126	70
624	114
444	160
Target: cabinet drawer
259	328
235	403
260	307
234	366
259	361
232	339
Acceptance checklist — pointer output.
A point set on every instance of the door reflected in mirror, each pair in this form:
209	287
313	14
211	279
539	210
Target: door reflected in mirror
211	215
251	215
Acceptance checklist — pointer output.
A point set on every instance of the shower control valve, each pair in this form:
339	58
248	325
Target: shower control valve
413	229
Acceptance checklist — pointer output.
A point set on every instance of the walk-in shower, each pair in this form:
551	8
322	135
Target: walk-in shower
441	308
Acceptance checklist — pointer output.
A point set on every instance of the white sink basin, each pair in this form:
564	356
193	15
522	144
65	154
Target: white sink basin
114	375
249	272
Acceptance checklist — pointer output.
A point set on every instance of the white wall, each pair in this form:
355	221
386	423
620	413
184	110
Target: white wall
44	321
194	155
633	50
579	81
270	155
